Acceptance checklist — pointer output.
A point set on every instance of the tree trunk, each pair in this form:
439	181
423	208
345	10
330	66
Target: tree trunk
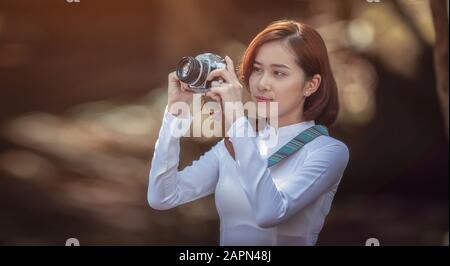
440	19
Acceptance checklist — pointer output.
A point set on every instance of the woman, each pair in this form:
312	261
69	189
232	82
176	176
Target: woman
285	204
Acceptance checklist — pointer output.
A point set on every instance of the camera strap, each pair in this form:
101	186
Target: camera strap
289	148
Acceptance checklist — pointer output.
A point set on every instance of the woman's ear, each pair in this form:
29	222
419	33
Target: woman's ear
312	85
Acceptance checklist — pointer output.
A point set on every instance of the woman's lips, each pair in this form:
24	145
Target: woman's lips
262	99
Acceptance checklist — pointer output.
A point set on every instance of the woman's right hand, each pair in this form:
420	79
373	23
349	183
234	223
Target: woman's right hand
177	91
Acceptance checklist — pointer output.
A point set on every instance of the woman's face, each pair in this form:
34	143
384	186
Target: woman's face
277	77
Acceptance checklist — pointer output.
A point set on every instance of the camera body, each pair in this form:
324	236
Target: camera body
194	70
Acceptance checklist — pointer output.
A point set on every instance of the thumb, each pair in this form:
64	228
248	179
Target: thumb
213	95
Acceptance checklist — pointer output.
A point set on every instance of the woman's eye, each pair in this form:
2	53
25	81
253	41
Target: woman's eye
279	74
255	69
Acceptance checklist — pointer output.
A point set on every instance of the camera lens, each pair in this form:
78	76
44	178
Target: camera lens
188	69
192	71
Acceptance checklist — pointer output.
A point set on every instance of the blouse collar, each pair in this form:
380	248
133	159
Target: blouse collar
271	139
290	130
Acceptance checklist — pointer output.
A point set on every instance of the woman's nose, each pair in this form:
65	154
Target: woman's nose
264	83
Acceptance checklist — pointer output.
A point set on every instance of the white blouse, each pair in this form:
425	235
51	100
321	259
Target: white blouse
282	205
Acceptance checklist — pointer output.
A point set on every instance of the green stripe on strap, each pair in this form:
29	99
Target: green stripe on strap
297	143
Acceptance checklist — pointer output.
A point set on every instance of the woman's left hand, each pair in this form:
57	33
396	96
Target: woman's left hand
227	90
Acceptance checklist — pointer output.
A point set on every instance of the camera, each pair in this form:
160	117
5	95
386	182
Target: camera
194	70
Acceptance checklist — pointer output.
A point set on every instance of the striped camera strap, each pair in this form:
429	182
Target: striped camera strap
292	146
297	143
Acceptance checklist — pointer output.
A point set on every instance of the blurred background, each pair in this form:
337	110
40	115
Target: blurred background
83	90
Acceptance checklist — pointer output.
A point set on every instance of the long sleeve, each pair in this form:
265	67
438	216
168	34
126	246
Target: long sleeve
273	203
169	187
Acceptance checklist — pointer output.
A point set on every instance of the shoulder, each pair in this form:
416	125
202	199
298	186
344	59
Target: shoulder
329	147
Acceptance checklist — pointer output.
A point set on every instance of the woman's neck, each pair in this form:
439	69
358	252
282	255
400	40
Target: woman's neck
291	118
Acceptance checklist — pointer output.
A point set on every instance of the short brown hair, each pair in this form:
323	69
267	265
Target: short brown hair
312	57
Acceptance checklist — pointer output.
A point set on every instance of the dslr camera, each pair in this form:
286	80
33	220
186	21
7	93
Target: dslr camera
194	70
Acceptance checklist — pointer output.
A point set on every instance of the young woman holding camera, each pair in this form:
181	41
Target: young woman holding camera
264	195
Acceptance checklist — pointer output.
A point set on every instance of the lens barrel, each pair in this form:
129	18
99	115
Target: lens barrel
188	69
192	71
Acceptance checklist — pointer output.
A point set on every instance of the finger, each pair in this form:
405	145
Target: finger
230	66
220	73
217	90
216	83
210	94
173	77
217	99
213	95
